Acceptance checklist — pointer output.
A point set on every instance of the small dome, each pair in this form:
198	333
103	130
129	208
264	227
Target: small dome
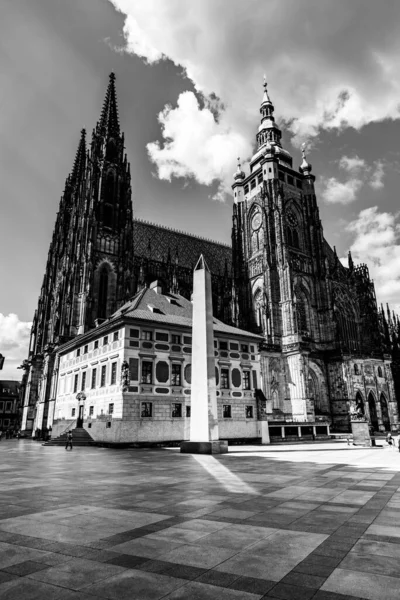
239	174
305	166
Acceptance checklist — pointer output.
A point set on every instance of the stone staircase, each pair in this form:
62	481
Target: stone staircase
80	437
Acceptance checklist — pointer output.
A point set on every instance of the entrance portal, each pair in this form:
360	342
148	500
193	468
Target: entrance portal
79	421
372	412
385	413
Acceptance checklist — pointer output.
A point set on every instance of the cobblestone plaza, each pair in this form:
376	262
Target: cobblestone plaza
317	521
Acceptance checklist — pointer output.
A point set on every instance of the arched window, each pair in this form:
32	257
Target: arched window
258	308
372	412
385	413
108	215
289	236
302	313
380	372
275	399
103	293
295	239
356	369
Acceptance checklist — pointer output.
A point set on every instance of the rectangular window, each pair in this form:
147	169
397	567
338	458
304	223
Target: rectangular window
177	411
245	347
94	374
162	337
227	411
147	409
249	412
76	383
86	349
134	333
8	406
281	176
147	372
176	339
73	412
113	373
246	380
96	345
223	345
91	409
246	189
110	409
103	375
83	382
188	411
260	178
78	352
253	184
116	336
290	180
187	340
105	340
225	379
134	369
147	335
176	378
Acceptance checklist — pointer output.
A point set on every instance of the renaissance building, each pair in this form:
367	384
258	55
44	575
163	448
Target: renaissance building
321	345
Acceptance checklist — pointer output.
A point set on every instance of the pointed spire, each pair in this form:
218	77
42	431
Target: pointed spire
109	120
350	261
266	99
78	170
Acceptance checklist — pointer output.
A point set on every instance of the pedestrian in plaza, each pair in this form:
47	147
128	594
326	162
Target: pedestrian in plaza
69	440
389	440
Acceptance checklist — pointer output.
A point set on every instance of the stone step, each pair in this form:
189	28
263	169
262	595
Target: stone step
80	437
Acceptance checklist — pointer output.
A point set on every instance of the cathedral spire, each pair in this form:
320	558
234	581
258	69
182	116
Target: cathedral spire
109	120
78	170
305	166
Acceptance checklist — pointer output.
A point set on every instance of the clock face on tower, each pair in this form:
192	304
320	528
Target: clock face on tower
256	221
291	218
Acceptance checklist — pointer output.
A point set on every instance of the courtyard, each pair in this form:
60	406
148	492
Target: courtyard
292	522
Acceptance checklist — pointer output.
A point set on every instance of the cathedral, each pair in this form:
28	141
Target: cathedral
324	346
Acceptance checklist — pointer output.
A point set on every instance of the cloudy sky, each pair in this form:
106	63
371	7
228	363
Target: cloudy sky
189	80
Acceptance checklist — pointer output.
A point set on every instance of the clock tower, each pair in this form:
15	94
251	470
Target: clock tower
281	290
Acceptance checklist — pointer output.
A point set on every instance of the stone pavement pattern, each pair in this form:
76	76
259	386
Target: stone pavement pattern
314	522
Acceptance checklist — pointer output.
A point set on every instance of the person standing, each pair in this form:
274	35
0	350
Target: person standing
69	440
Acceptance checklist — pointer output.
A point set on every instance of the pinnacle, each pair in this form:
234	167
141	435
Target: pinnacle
109	120
80	160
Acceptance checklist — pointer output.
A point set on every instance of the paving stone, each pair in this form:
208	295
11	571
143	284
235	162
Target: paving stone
291	592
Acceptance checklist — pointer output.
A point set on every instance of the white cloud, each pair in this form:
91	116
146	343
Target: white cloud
352	163
194	144
337	192
14	344
320	73
376	181
377	243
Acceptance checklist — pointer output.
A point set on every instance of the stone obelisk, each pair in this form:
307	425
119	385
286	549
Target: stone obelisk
204	438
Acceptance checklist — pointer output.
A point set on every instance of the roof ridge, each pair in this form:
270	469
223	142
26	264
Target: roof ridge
180	231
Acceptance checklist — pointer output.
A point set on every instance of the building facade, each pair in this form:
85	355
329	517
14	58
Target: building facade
129	380
325	346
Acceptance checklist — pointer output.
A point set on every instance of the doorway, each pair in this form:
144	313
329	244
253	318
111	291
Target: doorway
79	421
385	413
372	412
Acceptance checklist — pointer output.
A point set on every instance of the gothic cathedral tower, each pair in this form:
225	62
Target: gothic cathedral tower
89	266
281	289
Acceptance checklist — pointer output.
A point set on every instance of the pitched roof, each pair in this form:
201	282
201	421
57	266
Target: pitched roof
157	241
169	309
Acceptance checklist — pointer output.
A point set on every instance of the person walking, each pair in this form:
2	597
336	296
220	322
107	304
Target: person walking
69	440
389	440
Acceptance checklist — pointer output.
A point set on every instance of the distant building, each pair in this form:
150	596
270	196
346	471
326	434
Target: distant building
326	347
129	380
10	405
